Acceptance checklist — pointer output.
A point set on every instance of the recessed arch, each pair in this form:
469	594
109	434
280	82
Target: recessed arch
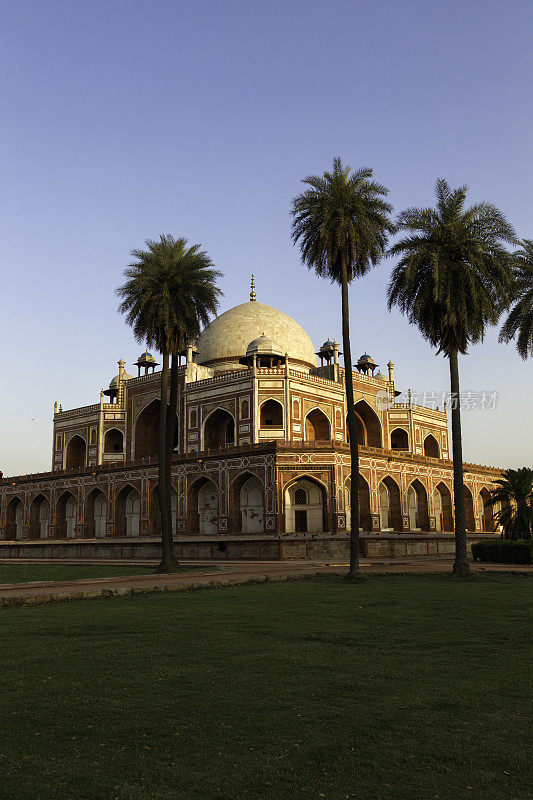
113	441
365	517
219	429
390	510
431	447
14	519
399	439
417	501
76	454
66	513
486	512
127	511
95	516
442	502
317	426
470	517
271	414
371	423
202	507
246	502
155	511
39	517
308	516
146	434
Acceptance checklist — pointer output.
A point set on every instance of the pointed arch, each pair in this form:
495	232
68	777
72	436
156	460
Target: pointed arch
305	505
114	442
246	502
390	509
431	447
14	519
127	511
317	426
66	513
488	522
95	525
399	439
76	454
470	517
39	517
202	507
271	414
155	511
417	501
218	429
365	517
371	423
442	501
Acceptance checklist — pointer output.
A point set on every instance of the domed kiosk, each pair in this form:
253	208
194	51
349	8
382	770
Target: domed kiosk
226	340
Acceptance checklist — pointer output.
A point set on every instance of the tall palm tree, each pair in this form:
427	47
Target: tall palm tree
169	295
520	319
453	279
515	494
341	223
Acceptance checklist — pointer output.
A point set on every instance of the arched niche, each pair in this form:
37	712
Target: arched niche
371	424
365	517
271	414
247	504
390	510
127	512
66	512
442	501
114	442
146	436
431	447
399	439
202	507
219	430
305	505
95	515
76	454
14	519
39	517
317	426
417	502
486	511
470	518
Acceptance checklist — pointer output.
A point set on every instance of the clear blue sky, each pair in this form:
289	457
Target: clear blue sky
123	120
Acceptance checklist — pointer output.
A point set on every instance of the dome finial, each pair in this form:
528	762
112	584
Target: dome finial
252	287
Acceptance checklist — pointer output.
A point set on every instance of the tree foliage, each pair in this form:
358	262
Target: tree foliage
519	323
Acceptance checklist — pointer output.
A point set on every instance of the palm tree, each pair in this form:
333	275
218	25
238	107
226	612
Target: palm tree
515	494
341	223
453	279
520	319
168	297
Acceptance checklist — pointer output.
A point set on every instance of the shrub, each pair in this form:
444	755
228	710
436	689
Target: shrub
506	551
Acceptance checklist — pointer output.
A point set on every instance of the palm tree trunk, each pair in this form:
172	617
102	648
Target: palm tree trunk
461	566
162	482
169	449
354	448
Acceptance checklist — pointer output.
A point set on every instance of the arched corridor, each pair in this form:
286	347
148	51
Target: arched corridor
304	507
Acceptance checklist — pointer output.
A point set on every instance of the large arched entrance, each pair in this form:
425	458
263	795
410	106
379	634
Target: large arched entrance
371	424
246	504
431	447
442	501
390	511
14	519
95	515
202	508
417	501
66	509
470	518
304	507
147	432
76	453
39	517
317	427
485	511
155	512
365	517
219	430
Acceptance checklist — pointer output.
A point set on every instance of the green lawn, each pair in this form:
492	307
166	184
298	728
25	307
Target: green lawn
23	573
408	687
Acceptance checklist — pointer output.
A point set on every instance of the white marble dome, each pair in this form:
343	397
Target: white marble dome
227	337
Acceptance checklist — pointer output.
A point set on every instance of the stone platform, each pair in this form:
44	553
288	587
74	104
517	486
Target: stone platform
286	547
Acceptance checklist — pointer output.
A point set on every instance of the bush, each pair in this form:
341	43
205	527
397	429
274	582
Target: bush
504	552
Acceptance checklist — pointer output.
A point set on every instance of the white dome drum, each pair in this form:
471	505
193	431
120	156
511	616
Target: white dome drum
227	337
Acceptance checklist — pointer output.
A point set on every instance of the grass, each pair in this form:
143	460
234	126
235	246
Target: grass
409	687
24	573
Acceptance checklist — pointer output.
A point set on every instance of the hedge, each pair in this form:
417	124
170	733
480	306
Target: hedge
505	551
